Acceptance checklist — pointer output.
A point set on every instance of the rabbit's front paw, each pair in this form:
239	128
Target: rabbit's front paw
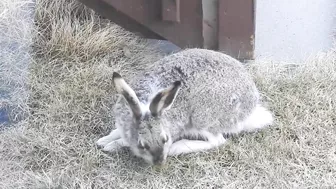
115	145
114	135
175	150
103	141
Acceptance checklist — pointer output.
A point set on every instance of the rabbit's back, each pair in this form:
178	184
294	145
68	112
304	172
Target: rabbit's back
216	90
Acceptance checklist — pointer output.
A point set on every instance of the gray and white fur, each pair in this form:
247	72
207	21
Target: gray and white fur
186	103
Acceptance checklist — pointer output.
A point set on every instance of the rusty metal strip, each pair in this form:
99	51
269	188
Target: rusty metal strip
237	28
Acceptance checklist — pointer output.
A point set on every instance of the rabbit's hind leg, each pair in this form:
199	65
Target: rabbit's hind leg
259	118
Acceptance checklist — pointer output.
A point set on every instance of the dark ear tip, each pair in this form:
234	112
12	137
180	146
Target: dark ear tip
177	83
116	75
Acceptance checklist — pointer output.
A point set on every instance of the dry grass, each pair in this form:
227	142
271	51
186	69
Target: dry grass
15	39
71	94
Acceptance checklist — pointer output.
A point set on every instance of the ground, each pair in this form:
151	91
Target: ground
70	95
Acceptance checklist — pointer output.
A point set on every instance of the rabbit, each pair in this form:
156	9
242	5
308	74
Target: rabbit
188	102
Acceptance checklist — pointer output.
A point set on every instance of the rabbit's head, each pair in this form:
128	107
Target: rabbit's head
150	130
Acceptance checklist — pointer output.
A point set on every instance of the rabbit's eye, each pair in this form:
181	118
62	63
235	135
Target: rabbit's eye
147	147
140	145
164	139
143	145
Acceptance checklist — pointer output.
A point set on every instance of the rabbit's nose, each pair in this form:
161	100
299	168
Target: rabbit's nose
159	163
158	160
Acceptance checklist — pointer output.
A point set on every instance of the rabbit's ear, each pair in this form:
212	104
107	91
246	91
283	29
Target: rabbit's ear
123	88
164	99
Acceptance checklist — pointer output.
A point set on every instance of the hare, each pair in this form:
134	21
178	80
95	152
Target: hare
187	103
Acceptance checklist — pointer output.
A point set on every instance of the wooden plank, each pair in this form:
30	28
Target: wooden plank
210	24
171	10
148	14
237	28
224	25
109	12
